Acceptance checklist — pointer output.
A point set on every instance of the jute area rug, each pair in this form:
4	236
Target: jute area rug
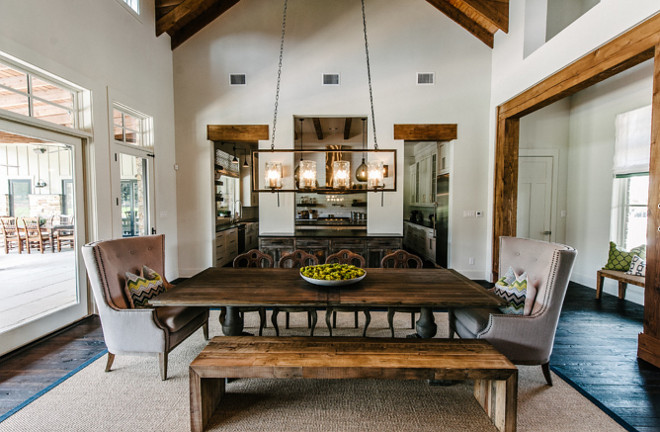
133	398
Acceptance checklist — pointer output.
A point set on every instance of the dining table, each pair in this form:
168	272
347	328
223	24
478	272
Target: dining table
428	289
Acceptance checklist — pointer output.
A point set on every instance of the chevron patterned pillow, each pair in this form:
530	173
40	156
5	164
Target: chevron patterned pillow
515	294
140	290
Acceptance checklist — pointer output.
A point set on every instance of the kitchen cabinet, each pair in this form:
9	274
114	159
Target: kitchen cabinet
423	172
443	158
251	235
248	198
226	246
419	240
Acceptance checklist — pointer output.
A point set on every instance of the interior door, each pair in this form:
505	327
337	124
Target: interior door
41	292
535	197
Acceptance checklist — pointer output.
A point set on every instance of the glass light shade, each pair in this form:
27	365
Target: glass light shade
307	174
274	175
375	174
341	178
362	173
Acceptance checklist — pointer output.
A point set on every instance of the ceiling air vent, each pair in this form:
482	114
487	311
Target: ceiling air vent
330	79
425	78
237	79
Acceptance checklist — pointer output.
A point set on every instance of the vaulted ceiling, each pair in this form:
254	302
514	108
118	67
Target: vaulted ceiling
181	19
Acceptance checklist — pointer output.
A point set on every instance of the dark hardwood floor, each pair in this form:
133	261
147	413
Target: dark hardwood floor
28	372
595	350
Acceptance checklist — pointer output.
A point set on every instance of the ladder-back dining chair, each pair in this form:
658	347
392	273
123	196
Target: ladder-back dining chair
11	234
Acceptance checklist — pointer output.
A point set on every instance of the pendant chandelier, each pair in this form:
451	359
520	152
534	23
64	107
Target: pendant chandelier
305	174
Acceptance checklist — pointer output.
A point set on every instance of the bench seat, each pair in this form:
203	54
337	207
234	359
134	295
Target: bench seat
495	377
620	276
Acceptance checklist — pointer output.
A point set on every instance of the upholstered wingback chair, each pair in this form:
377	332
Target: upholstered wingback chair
524	339
130	331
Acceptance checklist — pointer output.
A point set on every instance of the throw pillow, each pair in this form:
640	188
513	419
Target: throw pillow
514	293
140	290
620	259
637	267
151	274
508	277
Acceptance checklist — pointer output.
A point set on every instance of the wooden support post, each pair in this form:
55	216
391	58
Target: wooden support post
205	395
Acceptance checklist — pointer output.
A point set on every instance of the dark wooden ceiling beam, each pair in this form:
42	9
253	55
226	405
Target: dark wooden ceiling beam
426	132
237	132
347	127
482	18
317	128
181	15
183	33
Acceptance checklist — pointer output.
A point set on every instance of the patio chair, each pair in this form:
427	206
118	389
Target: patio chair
36	236
345	256
64	232
252	258
130	331
296	259
11	234
401	259
524	339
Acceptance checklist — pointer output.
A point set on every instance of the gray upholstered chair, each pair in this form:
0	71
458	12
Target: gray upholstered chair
129	331
524	339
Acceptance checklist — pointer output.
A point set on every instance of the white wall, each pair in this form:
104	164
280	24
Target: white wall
102	47
321	36
512	72
591	152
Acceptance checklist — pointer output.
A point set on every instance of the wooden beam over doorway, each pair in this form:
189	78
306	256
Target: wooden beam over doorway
425	132
237	132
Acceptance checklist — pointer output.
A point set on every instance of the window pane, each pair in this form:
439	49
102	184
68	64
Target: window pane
635	227
119	133
52	113
638	190
14	102
52	93
134	4
133	174
117	117
131	122
12	78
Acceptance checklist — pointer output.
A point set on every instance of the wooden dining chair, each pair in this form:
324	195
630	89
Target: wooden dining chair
252	259
345	256
296	259
11	234
35	235
401	259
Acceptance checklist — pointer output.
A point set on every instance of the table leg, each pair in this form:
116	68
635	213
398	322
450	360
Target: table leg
426	326
233	323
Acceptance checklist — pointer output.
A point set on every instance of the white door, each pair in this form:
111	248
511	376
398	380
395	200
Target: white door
41	291
535	197
133	190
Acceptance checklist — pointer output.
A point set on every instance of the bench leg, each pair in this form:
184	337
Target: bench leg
622	290
499	400
599	285
205	394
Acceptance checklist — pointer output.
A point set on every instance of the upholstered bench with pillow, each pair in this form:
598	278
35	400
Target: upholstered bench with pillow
625	267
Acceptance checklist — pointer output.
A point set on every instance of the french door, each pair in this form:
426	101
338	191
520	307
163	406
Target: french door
133	188
41	175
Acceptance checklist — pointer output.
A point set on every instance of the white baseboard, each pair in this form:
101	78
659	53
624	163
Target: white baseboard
473	274
189	272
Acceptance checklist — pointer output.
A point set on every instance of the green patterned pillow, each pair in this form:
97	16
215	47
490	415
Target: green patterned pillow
514	293
620	259
140	290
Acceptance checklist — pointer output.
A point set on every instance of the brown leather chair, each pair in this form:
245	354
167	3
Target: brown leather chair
125	330
252	258
296	259
345	256
401	259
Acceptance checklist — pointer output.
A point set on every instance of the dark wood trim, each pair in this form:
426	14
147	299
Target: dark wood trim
237	132
180	14
317	128
494	11
465	20
426	132
629	49
186	29
347	127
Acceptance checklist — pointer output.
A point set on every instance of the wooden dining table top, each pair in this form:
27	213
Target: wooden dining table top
224	286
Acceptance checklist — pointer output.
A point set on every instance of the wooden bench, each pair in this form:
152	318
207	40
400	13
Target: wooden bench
623	279
495	377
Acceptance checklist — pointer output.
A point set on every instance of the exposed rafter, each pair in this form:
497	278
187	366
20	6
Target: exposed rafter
482	18
347	127
317	128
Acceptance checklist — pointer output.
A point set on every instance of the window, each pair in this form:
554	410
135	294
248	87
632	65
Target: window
134	5
631	201
31	94
131	127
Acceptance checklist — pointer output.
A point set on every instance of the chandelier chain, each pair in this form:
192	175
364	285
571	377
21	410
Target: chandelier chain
371	93
279	76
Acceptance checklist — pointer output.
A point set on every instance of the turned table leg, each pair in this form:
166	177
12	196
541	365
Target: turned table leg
233	322
426	326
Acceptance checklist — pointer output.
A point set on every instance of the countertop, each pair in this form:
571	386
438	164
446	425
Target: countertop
219	228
